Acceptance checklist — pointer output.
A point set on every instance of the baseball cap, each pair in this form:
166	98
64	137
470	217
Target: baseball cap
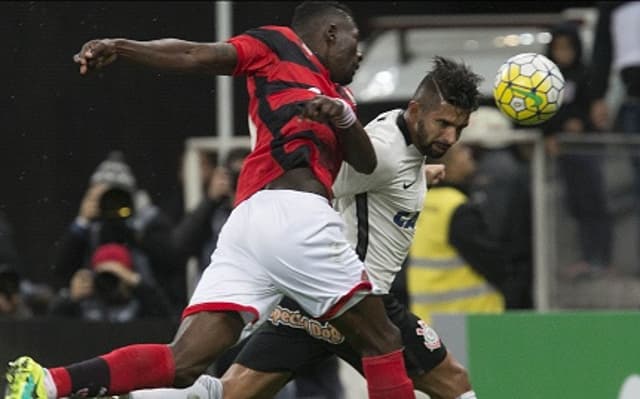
112	252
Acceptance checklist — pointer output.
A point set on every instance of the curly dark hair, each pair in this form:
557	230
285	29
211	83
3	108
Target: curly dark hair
307	13
451	81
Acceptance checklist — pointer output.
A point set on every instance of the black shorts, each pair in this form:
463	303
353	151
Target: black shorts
291	341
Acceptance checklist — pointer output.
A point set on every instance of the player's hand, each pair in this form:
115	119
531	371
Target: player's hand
434	173
329	110
95	54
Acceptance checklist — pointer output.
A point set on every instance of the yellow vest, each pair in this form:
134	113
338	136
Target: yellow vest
438	279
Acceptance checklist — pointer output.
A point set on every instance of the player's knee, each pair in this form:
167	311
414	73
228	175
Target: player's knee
189	363
460	377
186	376
449	379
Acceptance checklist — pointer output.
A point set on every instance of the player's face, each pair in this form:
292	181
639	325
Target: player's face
436	128
344	57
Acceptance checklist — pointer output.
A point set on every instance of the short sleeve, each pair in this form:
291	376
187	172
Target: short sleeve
253	55
350	182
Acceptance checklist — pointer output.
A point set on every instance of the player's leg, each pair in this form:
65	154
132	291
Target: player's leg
132	367
330	283
214	320
448	380
434	370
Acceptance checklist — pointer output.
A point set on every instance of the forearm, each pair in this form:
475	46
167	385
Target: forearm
357	148
178	55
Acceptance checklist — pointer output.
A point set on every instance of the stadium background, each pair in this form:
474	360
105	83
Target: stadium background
57	125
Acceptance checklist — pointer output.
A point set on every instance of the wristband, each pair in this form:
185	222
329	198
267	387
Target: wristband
348	117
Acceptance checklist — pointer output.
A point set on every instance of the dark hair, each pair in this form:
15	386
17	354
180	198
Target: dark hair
455	81
308	13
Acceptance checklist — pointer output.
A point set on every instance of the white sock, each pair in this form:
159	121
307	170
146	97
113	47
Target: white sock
468	395
205	387
49	386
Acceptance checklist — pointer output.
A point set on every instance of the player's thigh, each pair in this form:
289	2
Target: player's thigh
307	254
368	329
240	382
282	348
424	350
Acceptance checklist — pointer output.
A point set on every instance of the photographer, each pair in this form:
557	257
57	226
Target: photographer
115	210
110	291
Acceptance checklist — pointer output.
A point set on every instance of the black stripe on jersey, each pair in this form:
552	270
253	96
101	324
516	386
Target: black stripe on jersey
283	47
275	119
362	218
297	158
402	125
267	88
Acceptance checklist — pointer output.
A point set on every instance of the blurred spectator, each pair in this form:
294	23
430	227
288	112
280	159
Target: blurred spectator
584	182
197	233
500	189
12	304
453	260
111	290
174	204
616	46
19	297
114	209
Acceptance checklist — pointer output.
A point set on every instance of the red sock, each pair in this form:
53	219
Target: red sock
121	371
140	366
387	377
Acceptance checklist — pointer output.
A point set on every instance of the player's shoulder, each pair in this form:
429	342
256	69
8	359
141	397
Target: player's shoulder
384	127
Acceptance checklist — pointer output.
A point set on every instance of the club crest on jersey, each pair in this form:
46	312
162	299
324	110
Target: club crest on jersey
431	338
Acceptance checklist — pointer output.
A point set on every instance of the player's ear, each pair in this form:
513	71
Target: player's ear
331	33
414	108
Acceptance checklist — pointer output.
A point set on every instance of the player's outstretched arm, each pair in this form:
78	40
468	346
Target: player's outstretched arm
163	54
356	145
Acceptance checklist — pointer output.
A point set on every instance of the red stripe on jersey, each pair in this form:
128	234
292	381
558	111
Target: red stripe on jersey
282	73
362	286
220	307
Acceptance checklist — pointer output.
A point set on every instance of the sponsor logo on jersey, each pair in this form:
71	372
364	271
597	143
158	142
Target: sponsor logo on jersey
315	328
431	338
406	220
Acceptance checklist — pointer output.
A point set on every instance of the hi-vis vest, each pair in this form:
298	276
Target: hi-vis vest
438	279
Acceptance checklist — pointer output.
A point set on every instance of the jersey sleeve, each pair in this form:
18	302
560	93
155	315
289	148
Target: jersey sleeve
350	182
253	55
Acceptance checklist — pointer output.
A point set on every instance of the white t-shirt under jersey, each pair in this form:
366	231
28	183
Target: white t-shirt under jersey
380	209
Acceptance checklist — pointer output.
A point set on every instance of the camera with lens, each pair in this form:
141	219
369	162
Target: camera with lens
116	209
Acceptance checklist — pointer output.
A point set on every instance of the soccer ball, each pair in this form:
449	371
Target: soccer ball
528	88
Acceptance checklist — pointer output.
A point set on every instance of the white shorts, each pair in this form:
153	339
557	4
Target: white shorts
281	242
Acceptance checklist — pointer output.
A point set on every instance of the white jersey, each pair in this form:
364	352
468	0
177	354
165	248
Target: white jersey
380	209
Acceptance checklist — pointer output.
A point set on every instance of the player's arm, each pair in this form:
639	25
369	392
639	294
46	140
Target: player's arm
356	145
162	54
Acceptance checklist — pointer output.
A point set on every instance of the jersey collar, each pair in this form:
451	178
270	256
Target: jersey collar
402	125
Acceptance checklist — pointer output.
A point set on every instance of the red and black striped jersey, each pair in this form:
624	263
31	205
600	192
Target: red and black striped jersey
282	73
